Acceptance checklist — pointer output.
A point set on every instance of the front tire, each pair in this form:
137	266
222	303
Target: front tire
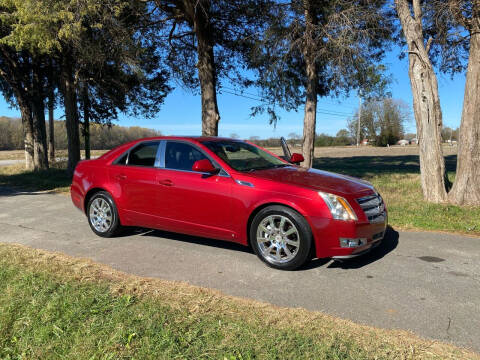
281	237
103	215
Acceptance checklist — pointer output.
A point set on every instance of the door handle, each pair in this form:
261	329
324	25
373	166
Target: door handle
166	182
120	177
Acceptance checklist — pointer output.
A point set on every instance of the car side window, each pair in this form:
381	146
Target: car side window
181	156
143	155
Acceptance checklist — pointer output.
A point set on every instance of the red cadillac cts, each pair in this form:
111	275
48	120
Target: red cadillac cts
231	190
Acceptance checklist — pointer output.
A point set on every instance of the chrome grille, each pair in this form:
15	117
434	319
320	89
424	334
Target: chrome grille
373	207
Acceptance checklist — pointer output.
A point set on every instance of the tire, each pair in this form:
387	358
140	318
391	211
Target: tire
281	237
102	207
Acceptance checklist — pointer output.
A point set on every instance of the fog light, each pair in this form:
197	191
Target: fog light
351	243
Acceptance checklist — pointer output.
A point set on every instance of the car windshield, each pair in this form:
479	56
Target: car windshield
242	156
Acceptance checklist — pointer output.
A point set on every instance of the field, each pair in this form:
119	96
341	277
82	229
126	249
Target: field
394	171
54	306
62	154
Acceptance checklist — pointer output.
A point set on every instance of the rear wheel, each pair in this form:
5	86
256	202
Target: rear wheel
281	237
102	215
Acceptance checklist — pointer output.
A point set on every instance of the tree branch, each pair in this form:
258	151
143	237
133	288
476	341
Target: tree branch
429	44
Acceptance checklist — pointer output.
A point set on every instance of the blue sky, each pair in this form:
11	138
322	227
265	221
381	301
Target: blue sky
181	113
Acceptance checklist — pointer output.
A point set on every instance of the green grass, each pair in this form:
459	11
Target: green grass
55	307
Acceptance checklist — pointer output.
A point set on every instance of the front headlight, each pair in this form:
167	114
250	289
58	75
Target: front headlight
338	206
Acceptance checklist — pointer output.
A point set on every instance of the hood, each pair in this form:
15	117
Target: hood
314	179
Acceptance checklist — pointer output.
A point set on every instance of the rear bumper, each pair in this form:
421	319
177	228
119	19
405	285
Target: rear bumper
328	232
77	198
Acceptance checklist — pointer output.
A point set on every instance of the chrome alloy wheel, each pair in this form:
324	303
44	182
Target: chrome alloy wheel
278	239
101	215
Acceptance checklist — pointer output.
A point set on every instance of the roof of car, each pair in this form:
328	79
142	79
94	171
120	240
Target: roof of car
194	138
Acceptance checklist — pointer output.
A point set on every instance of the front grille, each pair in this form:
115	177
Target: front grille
373	207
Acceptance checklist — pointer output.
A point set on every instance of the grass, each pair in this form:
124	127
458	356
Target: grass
55	179
54	306
20	154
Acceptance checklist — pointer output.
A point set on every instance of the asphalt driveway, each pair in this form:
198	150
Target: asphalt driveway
428	283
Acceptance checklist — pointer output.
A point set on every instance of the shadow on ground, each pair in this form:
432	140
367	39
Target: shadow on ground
189	239
364	166
388	244
31	181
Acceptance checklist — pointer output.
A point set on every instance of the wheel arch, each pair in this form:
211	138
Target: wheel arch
273	203
89	195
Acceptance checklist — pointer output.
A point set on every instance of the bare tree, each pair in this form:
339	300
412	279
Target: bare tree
426	102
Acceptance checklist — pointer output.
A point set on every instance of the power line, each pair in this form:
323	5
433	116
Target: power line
319	110
321	100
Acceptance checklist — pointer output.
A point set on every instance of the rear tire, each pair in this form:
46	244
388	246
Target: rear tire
281	237
103	215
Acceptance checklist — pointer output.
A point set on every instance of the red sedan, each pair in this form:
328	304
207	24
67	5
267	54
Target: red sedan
230	190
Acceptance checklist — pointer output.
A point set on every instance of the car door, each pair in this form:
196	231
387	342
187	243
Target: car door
134	174
194	202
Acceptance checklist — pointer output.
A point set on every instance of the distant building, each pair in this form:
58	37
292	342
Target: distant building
403	142
364	142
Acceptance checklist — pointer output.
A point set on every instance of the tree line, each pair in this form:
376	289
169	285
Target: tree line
101	58
101	137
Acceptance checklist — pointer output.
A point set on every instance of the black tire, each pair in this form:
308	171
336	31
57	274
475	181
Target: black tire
302	236
114	227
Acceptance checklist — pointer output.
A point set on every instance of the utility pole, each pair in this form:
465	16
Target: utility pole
359	119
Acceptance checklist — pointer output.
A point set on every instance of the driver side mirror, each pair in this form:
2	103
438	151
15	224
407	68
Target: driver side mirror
296	158
204	166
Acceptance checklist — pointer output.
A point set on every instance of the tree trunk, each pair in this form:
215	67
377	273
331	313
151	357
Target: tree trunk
206	73
71	115
86	120
426	104
310	117
27	126
466	189
51	126
40	149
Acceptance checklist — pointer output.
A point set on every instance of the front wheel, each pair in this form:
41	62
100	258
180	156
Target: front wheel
281	237
102	215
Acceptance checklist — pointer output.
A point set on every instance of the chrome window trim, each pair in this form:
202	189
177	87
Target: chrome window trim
222	172
160	163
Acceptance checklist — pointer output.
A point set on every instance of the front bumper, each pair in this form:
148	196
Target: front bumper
328	232
373	245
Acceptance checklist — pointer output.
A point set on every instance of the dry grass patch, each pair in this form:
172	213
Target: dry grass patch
150	318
